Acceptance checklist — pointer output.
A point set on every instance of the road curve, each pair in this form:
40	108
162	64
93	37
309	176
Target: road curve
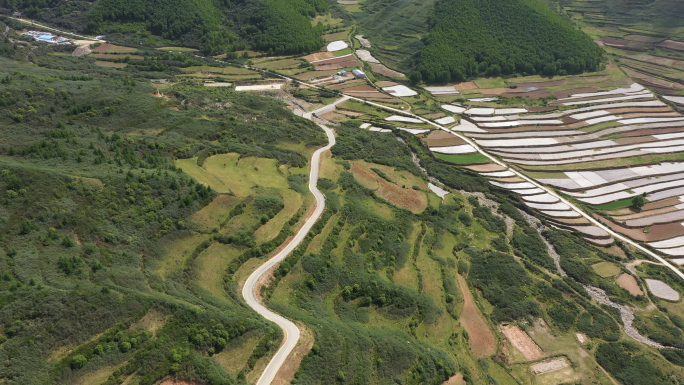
248	290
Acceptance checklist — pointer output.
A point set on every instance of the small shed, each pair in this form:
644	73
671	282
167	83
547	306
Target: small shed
342	73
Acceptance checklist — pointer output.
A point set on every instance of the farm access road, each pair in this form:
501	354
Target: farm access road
248	290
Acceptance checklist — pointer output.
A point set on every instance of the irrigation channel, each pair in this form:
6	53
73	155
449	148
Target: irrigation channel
249	289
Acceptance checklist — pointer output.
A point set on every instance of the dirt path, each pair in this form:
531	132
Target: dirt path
480	337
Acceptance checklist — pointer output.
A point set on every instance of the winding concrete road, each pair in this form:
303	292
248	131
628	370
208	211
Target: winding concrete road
248	290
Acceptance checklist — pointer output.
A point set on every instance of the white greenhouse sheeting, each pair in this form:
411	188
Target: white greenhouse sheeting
548	206
619	98
531	191
541	198
589	115
650	120
467	126
498	174
516	142
454	109
668	243
414	131
561	214
480	111
446	120
337	46
400	91
462	149
675	99
405	119
511	186
602	119
507	111
634	87
438	190
262	87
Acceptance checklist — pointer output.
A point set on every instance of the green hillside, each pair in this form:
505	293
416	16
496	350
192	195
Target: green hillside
471	38
105	245
214	26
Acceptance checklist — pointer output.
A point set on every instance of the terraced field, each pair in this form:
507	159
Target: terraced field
602	149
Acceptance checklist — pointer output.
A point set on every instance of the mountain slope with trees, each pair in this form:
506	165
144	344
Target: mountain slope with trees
214	26
470	38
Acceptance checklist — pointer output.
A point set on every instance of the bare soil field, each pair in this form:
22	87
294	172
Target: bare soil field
384	70
629	283
499	91
486	167
571	221
652	131
408	198
480	337
614	42
466	86
549	366
446	142
671	44
318	56
522	342
370	95
550	83
360	88
534	95
103	48
655	232
337	65
648	213
566	93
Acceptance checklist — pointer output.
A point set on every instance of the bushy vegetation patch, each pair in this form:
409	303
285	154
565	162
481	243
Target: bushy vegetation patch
470	38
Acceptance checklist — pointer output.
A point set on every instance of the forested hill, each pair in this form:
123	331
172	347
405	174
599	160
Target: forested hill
280	26
493	37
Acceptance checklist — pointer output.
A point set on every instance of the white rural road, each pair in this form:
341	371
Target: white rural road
248	290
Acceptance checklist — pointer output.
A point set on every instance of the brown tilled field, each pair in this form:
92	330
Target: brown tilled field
318	56
103	48
655	232
407	198
671	44
629	283
480	337
566	93
489	167
466	86
384	70
522	342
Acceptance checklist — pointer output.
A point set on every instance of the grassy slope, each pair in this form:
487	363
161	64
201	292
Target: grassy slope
94	215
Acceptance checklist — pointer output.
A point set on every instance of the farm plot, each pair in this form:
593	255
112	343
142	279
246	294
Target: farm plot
446	120
522	342
661	290
606	269
629	283
399	192
404	119
454	108
440	138
481	340
460	149
549	366
400	91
